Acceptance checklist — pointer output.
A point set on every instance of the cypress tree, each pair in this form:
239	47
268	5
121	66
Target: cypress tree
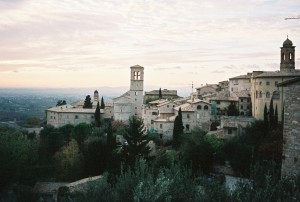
271	114
159	94
266	118
97	115
102	103
276	116
177	130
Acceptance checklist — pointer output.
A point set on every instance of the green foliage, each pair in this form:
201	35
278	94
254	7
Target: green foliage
61	102
276	117
33	121
102	103
233	110
198	150
177	130
96	153
97	116
51	140
137	140
81	132
18	156
67	131
87	102
69	162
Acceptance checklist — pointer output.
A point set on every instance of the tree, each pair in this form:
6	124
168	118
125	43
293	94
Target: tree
266	118
159	94
61	102
87	102
81	132
232	110
18	157
137	140
102	106
177	130
97	116
271	114
69	162
276	117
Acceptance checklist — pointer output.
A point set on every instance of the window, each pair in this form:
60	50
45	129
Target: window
187	126
76	117
242	100
290	56
135	93
242	107
276	95
152	121
248	107
205	107
229	131
160	126
154	113
231	89
282	57
218	102
188	116
248	100
268	83
260	83
167	106
276	83
267	94
199	107
92	117
260	94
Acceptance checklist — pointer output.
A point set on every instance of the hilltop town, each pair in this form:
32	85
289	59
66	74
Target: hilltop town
235	140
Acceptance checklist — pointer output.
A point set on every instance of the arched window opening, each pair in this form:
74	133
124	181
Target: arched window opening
267	94
205	107
282	56
260	94
290	56
276	95
199	107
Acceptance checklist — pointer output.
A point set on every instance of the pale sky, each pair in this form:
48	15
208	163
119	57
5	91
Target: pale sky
90	43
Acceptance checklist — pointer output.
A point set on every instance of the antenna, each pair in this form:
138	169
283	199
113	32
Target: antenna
292	18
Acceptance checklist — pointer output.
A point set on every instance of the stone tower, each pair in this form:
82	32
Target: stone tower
137	89
287	62
96	96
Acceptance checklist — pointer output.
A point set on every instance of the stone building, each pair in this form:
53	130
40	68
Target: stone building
154	95
128	104
264	84
223	100
240	83
291	127
244	102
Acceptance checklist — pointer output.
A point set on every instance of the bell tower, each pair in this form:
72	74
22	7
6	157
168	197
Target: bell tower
137	89
287	61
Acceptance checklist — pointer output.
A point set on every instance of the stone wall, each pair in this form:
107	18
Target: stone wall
291	131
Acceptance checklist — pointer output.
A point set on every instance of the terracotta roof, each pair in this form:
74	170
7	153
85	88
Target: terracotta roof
225	96
244	93
185	108
241	77
290	81
295	73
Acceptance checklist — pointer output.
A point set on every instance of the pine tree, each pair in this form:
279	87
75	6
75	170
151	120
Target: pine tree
159	94
271	114
87	102
110	138
97	115
137	140
102	106
177	130
266	118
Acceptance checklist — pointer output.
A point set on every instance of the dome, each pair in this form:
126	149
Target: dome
287	42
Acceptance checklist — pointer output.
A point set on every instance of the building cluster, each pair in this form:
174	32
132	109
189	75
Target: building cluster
248	94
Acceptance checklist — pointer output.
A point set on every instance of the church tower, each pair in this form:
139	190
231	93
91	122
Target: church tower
287	62
96	96
137	89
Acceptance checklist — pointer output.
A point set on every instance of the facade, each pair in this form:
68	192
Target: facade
244	102
264	84
223	100
291	127
240	83
154	95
